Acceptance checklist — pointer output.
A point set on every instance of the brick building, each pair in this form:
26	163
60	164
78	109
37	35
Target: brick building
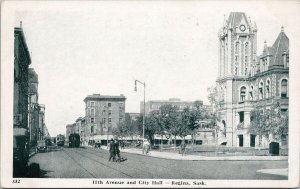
22	61
156	104
33	112
103	113
246	80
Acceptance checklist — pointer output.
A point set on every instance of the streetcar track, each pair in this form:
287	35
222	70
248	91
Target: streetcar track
130	167
145	162
80	164
103	164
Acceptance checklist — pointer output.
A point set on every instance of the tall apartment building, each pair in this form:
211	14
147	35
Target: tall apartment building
103	113
246	80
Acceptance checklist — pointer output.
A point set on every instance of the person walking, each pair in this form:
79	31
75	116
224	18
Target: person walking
183	147
146	146
112	151
117	150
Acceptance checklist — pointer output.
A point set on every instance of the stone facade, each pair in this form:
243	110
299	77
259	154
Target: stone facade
246	80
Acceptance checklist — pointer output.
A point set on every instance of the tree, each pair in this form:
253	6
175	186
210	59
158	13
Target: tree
259	123
126	128
213	97
282	127
151	126
269	121
279	122
184	121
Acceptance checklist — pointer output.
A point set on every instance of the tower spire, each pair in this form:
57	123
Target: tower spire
224	22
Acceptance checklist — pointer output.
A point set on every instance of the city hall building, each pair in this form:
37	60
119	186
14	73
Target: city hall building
247	80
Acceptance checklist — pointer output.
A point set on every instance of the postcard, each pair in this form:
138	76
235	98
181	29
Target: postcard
150	94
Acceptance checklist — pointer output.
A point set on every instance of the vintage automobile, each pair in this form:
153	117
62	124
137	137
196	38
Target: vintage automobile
41	146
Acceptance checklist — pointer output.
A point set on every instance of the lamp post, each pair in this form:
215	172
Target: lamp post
135	89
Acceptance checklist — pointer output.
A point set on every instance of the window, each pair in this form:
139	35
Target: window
104	120
92	103
109	112
246	57
241	115
236	57
109	120
268	89
284	85
92	111
243	94
121	119
109	105
92	129
251	93
103	112
261	92
92	120
237	45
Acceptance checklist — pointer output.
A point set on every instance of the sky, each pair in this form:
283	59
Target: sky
78	49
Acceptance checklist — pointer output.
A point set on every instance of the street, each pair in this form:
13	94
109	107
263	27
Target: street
93	163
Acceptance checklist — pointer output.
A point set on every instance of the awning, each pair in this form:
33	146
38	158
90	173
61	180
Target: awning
159	137
101	137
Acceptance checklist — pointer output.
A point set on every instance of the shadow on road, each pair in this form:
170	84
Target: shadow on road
43	173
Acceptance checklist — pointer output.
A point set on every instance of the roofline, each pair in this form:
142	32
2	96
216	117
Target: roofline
104	97
20	31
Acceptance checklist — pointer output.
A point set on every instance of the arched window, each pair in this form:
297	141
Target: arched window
261	90
268	89
243	94
224	127
284	88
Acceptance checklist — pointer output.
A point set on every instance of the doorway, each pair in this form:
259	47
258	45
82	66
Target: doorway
241	140
252	140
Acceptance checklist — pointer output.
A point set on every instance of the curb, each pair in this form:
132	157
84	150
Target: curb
205	158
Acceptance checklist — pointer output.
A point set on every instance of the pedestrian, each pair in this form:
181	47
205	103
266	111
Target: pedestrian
97	144
182	147
122	144
117	149
146	146
112	152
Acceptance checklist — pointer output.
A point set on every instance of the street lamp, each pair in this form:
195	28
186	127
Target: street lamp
135	89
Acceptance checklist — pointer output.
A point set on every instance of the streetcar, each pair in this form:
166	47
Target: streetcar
74	140
60	140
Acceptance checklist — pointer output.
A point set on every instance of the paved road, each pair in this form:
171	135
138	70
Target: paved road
93	163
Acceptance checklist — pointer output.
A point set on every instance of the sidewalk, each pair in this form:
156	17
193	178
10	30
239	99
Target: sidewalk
281	172
177	156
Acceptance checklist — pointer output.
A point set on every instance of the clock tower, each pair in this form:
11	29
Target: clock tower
237	61
237	46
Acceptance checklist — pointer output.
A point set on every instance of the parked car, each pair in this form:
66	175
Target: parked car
41	146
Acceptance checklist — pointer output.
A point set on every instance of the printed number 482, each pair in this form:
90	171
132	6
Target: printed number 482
16	181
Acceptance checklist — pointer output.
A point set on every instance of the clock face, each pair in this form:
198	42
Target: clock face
242	27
